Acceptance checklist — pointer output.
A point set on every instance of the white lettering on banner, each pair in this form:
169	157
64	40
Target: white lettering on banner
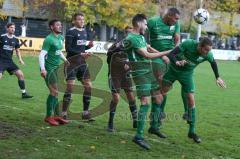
35	44
226	54
100	47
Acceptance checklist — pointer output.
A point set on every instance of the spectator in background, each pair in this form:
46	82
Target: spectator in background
24	29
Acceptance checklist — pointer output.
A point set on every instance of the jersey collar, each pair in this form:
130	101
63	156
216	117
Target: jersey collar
10	37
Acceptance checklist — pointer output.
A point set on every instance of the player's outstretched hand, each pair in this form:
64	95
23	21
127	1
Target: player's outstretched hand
165	59
21	62
181	63
90	44
221	83
44	73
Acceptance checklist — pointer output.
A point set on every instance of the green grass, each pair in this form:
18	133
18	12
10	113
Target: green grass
23	134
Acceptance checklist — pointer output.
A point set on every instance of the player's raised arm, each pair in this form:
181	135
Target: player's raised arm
146	54
219	80
176	39
204	49
176	36
164	57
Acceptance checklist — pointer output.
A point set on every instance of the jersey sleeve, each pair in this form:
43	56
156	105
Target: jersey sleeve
137	44
62	37
177	28
17	46
210	57
46	44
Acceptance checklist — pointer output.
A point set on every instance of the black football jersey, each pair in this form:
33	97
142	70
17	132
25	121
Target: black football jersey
7	45
75	41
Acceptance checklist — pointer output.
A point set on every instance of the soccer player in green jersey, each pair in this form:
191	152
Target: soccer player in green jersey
49	59
184	60
164	33
141	71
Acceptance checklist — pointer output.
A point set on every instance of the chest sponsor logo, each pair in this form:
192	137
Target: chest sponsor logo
58	52
81	42
7	47
172	28
161	37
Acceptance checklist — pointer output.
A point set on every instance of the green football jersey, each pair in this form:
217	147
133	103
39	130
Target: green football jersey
189	52
161	34
132	43
53	45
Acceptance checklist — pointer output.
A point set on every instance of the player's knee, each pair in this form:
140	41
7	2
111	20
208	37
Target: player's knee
158	99
144	100
54	92
88	85
1	75
69	88
20	75
115	97
190	99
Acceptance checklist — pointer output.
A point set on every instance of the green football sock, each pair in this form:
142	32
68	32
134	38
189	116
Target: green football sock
184	99
141	120
56	107
163	103
50	105
155	112
191	119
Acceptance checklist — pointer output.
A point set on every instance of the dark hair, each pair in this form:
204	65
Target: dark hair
52	22
173	11
205	41
76	15
10	24
138	18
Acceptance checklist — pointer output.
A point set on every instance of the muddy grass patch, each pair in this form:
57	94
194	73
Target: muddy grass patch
10	130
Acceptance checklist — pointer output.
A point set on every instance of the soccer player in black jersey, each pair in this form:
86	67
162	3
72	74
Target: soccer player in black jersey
8	43
119	78
76	44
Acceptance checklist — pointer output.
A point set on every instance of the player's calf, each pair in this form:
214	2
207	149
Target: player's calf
21	84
